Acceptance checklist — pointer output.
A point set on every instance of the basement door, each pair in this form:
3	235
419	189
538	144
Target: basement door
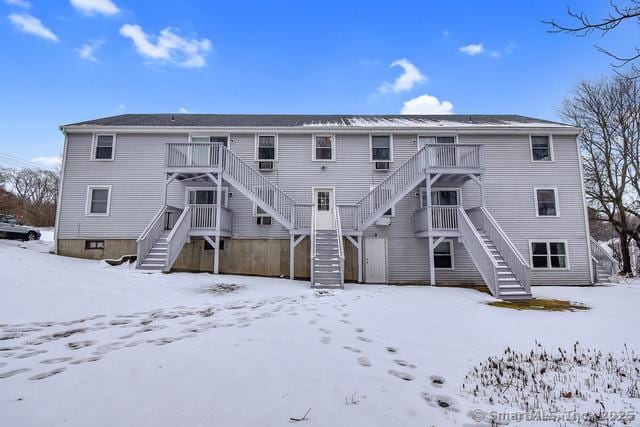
324	205
375	251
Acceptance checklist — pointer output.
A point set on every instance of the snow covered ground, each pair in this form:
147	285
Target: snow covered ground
84	344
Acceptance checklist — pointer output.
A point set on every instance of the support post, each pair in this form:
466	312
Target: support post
432	271
481	181
216	256
292	258
360	259
429	212
219	206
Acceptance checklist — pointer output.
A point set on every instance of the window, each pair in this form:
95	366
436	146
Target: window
223	139
443	197
443	256
546	202
381	148
94	244
103	147
549	254
323	149
205	196
263	220
266	147
541	148
424	140
324	201
98	200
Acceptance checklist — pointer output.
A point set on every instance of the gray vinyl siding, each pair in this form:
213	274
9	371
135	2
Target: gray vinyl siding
137	175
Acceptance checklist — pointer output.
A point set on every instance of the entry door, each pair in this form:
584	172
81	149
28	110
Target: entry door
375	251
324	204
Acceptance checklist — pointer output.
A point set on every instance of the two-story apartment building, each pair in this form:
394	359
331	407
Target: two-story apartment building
455	199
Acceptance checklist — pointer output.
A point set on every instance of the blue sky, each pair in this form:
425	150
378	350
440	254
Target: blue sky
71	60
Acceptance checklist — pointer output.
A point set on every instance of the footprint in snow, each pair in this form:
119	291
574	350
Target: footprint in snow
392	349
364	361
325	340
353	349
436	380
30	354
47	374
56	360
80	344
365	339
14	372
402	375
344	321
87	360
444	402
326	331
359	330
404	363
313	321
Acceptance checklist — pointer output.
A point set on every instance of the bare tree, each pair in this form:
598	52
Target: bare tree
36	190
582	25
608	111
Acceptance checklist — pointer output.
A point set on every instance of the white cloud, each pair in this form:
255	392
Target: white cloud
32	25
426	104
121	107
169	46
472	49
410	77
90	7
184	110
87	50
49	162
19	3
499	53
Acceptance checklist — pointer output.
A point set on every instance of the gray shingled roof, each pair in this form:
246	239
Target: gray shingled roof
300	120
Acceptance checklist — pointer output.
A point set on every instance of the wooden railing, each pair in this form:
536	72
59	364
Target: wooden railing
349	217
204	216
192	155
302	217
479	252
602	257
483	220
384	195
338	226
467	156
150	235
444	217
178	237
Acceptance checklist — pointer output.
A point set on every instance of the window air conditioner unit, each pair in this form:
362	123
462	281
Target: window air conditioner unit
265	166
383	221
382	166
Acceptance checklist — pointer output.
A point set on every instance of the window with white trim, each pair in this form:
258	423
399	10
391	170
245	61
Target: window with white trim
98	200
444	139
266	149
541	148
323	147
381	148
443	256
94	244
549	254
546	202
443	197
104	147
206	196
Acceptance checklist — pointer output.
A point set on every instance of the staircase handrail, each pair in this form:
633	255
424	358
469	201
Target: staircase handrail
603	257
338	226
479	252
178	237
511	255
313	239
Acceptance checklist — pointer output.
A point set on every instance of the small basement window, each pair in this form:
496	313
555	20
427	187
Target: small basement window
549	255
541	148
94	244
104	147
443	256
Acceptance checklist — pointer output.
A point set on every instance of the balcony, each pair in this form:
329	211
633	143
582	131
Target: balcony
444	220
454	158
205	221
193	156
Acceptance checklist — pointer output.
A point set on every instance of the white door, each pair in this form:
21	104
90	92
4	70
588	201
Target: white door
324	204
375	251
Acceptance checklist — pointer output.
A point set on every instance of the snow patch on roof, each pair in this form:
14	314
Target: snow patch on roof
399	122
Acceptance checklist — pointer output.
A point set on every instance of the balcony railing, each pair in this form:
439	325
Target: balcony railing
443	218
193	155
454	156
205	217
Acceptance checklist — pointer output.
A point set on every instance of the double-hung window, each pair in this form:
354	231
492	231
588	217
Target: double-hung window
266	149
103	147
549	254
443	256
323	147
444	139
98	200
546	202
443	197
541	148
381	148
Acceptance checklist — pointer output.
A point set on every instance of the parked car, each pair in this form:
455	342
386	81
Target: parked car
11	228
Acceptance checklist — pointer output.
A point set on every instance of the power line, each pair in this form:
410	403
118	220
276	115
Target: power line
16	162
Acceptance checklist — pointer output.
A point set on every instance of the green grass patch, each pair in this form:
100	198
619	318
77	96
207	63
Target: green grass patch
540	304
